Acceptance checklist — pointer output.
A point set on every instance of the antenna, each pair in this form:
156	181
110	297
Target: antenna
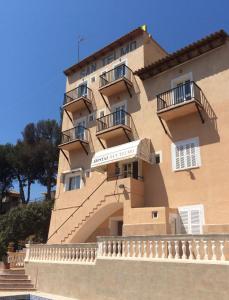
80	39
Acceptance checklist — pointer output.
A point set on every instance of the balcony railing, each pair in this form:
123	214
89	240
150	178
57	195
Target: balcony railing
77	93
179	95
120	117
76	133
121	71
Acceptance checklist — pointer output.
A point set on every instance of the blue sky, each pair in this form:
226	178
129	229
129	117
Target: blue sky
39	40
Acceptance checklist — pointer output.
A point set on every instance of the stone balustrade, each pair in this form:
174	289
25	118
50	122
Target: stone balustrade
16	259
179	247
186	248
67	253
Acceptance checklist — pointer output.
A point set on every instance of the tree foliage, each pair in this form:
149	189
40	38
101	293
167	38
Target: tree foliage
25	222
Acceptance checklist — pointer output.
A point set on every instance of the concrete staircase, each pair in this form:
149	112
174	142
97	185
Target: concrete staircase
15	280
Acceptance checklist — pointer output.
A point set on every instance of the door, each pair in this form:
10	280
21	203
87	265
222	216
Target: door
119	228
130	170
119	115
82	90
182	92
119	71
80	132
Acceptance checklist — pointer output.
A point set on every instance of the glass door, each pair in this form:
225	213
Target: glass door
119	115
119	71
182	92
82	90
80	132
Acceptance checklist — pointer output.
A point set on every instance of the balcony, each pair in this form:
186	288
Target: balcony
78	99
75	138
114	125
116	81
183	100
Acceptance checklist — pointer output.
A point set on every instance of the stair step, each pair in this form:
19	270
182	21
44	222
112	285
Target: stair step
17	289
16	285
13	281
13	276
12	271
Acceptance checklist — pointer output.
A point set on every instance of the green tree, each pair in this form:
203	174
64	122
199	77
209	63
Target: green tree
6	172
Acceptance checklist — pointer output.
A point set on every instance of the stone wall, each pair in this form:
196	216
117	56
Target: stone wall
122	279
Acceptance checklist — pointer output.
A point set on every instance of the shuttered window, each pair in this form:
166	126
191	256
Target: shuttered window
191	219
185	154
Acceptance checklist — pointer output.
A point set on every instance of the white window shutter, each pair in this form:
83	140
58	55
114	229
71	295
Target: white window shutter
184	221
195	221
185	154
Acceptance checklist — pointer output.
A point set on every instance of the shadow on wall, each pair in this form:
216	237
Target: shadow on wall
154	185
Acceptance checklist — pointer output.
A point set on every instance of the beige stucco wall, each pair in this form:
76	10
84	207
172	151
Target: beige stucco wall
125	280
162	187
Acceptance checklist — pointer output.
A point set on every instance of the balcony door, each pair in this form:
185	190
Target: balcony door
82	90
182	88
80	132
119	71
119	116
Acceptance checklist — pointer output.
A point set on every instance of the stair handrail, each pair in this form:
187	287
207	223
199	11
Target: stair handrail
78	207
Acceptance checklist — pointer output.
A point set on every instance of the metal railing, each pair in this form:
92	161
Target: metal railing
120	117
76	133
80	91
181	94
121	71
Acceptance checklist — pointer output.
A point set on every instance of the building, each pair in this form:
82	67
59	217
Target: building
9	201
144	141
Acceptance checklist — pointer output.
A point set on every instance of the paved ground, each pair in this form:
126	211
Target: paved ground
49	296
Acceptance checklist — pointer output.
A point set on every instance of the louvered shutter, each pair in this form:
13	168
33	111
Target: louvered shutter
195	221
191	219
184	221
185	154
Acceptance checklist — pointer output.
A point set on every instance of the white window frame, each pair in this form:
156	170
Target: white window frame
188	209
194	140
118	104
181	79
67	179
99	111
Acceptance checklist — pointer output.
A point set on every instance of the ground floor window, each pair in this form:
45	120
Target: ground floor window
191	219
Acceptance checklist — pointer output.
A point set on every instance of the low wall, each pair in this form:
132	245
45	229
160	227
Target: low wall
123	279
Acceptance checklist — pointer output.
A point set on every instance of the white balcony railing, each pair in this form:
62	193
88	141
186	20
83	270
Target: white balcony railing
16	259
67	253
212	248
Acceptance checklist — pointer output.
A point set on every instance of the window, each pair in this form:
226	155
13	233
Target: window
119	116
191	219
119	71
82	89
185	154
74	182
182	88
155	214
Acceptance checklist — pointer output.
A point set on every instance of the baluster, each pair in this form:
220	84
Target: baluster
119	248
139	248
104	248
222	257
177	256
134	249
150	249
84	254
91	255
123	249
213	250
184	256
170	256
163	249
77	254
156	249
88	254
114	249
191	257
197	249
128	248
205	249
109	248
69	254
144	249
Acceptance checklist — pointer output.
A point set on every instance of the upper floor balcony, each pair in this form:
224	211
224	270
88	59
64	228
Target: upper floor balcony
78	99
114	125
74	138
180	101
116	81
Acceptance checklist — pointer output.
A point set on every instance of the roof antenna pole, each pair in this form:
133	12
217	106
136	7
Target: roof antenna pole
80	39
